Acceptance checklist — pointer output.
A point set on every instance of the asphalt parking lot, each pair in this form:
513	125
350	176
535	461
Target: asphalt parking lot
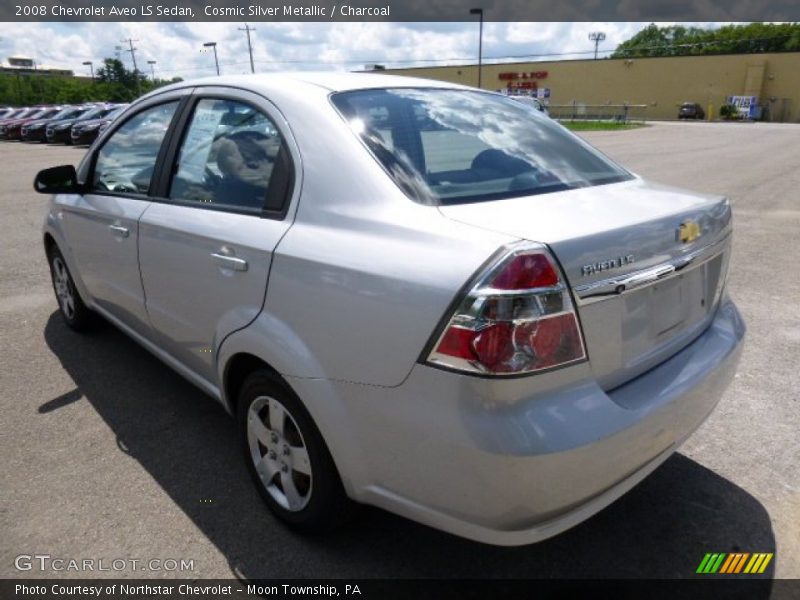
108	454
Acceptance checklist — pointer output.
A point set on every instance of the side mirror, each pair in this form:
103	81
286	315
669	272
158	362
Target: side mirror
57	180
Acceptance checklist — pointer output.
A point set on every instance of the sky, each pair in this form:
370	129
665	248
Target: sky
178	50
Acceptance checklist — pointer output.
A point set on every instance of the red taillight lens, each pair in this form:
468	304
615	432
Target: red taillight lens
493	345
526	271
518	318
457	342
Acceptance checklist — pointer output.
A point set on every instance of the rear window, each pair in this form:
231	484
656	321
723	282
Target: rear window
453	146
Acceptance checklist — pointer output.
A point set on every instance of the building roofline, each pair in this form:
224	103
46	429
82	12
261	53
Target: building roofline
388	70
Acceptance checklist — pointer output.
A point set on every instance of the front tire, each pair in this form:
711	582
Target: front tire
287	457
74	312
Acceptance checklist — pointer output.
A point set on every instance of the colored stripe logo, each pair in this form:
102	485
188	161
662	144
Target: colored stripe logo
735	563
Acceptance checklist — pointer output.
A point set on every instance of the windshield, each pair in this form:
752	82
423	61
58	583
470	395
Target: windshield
21	114
68	113
94	113
116	112
40	114
450	146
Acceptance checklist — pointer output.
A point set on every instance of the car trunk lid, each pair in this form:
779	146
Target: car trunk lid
646	263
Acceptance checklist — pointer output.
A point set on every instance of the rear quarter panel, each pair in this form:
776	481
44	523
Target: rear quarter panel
362	278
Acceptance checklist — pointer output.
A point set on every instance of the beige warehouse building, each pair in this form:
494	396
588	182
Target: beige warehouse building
661	84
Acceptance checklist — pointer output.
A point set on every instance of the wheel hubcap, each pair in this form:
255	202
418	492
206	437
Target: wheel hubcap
279	453
63	286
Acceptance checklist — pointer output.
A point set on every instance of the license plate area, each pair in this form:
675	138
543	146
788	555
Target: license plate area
655	315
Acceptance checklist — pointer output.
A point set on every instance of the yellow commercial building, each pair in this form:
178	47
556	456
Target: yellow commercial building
662	84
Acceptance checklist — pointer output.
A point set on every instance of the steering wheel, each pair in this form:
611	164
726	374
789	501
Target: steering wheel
211	179
113	186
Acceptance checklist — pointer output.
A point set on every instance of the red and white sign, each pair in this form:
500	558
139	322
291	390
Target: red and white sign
509	76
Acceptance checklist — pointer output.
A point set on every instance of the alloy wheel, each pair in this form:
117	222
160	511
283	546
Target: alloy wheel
279	453
64	289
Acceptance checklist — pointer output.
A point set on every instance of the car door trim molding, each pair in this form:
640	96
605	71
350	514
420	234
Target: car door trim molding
164	356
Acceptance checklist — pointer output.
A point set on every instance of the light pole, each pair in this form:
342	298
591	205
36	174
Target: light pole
597	37
91	67
152	69
214	46
479	12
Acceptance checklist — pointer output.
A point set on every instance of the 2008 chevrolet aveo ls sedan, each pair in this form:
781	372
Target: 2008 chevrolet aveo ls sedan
411	294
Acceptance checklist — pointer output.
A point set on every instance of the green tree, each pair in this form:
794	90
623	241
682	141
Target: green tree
677	40
114	83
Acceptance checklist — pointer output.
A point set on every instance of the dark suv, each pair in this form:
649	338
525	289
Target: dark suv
691	110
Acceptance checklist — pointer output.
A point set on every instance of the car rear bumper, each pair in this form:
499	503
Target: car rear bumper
496	462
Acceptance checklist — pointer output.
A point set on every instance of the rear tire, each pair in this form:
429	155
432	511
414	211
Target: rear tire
287	458
74	312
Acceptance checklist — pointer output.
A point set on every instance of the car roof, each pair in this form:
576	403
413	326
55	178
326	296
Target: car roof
296	81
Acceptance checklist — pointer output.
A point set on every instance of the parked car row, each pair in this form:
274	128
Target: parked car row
67	124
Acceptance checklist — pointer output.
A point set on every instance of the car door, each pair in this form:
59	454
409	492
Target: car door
101	225
206	244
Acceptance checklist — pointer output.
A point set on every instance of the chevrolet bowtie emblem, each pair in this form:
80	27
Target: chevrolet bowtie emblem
689	231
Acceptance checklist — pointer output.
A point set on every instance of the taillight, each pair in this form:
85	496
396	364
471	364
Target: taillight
518	318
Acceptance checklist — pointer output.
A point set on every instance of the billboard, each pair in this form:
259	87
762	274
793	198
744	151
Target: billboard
746	106
16	61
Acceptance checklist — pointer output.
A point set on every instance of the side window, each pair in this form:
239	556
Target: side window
126	161
232	156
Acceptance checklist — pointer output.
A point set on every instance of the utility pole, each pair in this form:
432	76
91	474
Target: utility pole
248	29
597	37
152	64
133	60
133	53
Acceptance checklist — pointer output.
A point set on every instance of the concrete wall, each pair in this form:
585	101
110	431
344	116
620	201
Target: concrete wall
661	83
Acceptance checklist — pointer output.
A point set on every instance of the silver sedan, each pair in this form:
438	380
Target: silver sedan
410	294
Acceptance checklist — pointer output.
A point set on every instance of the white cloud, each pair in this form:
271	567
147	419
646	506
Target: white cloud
177	47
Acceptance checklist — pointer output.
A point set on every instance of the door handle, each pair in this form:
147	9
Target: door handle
229	262
119	229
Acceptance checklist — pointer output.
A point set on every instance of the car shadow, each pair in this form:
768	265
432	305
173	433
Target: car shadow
186	442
